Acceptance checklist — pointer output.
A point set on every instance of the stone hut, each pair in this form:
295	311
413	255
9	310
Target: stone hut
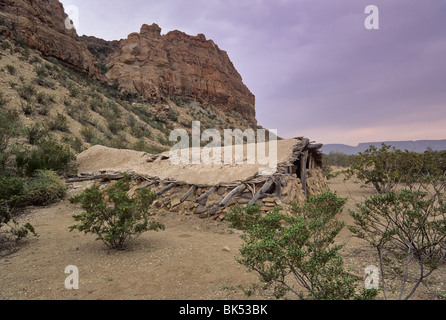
210	190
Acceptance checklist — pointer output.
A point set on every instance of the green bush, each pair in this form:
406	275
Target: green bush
113	216
387	167
408	231
59	123
47	155
10	127
296	254
27	91
11	69
44	188
11	189
10	227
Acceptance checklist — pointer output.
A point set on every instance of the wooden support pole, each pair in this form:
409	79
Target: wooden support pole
98	177
188	194
151	183
165	189
303	171
207	194
262	191
228	198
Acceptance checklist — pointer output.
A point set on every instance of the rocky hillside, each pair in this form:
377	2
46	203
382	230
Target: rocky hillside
54	100
156	67
40	24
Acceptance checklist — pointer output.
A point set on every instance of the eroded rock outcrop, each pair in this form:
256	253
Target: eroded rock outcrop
176	64
147	63
41	25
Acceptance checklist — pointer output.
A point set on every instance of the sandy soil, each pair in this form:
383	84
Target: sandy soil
191	259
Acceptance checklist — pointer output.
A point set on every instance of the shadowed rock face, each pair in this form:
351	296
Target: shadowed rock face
176	64
40	24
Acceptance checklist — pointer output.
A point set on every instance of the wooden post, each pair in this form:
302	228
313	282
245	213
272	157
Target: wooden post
188	193
262	191
228	198
207	194
303	170
151	183
104	177
165	189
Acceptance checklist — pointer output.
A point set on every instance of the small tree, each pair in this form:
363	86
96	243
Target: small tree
9	227
296	254
408	231
113	216
387	167
378	167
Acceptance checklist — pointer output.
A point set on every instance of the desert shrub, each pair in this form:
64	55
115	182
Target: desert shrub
10	229
11	190
47	155
75	143
338	159
27	91
45	99
408	231
387	167
10	127
115	126
27	108
96	103
89	134
113	216
43	188
45	82
74	91
296	254
58	123
11	69
3	100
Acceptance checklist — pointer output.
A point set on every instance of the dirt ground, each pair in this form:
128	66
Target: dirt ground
192	259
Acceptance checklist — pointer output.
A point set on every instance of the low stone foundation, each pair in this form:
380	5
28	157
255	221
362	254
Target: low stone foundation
216	201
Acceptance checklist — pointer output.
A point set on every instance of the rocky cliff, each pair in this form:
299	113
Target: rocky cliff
40	24
176	64
155	66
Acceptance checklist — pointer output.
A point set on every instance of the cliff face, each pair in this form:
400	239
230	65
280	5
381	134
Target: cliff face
176	64
152	65
40	24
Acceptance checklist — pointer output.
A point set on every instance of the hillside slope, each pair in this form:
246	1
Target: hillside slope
57	100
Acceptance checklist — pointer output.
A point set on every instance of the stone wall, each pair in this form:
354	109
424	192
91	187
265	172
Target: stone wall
290	191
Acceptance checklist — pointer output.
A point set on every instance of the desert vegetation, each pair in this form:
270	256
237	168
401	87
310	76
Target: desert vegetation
49	113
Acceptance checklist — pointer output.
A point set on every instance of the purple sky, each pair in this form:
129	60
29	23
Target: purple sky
314	68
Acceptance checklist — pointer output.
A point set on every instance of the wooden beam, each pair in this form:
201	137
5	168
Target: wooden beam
151	183
316	146
262	191
207	194
228	198
303	170
188	194
165	189
97	177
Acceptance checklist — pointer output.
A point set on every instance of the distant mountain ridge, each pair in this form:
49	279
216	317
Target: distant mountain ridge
416	146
